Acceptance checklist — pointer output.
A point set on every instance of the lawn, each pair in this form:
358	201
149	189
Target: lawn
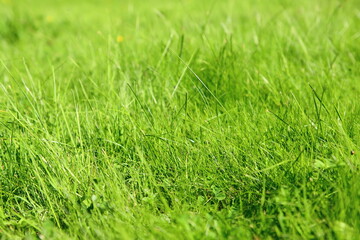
179	119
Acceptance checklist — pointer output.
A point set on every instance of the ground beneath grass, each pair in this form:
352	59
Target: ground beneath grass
186	119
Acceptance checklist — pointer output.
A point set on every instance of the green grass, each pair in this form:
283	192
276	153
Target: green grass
210	120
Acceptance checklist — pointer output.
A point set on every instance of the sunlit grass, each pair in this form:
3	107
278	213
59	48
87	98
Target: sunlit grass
179	119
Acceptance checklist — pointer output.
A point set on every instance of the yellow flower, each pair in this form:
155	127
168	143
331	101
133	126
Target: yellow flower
119	39
49	19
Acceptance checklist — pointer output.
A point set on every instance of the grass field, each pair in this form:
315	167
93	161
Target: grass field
187	119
